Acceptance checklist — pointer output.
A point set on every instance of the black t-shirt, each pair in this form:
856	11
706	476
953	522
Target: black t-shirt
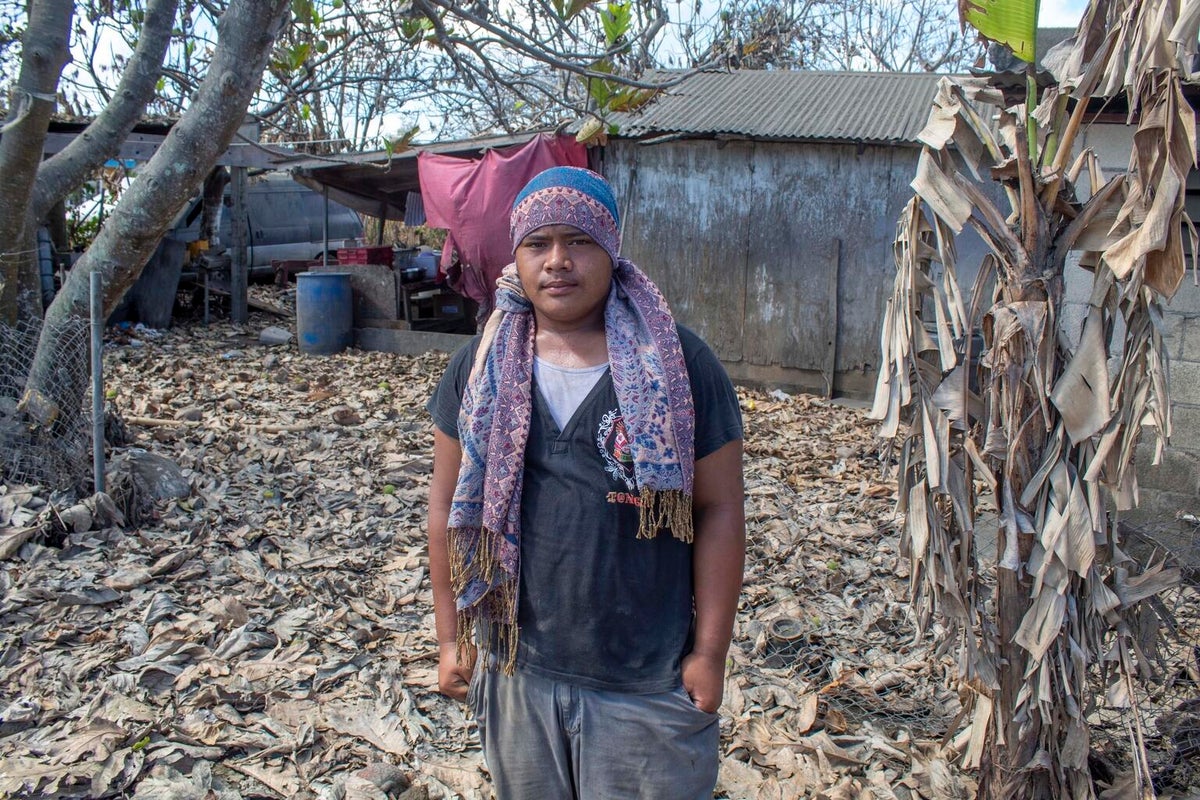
598	607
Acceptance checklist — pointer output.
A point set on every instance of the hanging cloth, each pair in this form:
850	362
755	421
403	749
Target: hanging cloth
472	199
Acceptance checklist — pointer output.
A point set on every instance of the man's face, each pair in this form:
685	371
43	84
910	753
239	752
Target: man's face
565	274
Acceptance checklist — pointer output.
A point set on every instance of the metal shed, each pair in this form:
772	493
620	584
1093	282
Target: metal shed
764	204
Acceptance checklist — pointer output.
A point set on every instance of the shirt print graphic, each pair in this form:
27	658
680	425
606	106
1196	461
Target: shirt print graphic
615	449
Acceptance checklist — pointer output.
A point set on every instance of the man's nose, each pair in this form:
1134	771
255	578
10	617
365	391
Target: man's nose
558	256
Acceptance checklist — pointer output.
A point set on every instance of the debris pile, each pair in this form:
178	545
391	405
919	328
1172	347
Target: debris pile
269	633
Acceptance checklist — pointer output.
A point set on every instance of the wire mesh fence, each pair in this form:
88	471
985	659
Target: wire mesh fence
1161	711
915	690
857	689
57	454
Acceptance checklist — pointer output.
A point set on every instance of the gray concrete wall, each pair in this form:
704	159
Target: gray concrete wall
1171	490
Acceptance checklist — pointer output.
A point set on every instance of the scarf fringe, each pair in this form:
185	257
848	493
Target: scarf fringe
490	624
665	508
471	546
498	639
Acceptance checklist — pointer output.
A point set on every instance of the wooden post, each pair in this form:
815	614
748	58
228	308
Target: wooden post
97	316
835	272
239	270
325	225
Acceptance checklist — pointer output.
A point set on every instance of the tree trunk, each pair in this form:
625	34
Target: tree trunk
56	220
1002	776
1010	772
29	279
103	138
246	32
43	55
210	205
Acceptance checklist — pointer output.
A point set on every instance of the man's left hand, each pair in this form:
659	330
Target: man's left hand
704	680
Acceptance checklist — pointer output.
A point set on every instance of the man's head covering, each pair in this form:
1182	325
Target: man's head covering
568	196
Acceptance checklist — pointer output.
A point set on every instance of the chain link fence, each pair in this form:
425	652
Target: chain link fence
1159	711
1164	705
57	456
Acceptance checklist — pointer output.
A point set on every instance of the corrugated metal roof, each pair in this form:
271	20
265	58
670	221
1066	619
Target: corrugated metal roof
830	106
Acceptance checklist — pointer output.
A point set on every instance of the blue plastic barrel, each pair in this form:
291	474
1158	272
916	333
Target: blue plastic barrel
324	312
428	261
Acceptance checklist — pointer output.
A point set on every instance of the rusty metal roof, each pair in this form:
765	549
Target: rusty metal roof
873	107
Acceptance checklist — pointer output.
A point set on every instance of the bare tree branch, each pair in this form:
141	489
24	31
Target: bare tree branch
68	168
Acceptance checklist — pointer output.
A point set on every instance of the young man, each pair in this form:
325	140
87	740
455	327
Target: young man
586	526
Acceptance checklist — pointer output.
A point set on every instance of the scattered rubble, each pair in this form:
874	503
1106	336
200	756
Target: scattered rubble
259	623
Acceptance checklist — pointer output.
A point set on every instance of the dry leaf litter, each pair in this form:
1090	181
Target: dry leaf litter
270	632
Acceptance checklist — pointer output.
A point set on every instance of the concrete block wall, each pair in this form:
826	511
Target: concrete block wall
1170	490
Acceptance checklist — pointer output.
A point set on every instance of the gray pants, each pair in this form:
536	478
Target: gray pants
548	740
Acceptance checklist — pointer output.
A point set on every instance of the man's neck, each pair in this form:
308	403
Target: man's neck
572	348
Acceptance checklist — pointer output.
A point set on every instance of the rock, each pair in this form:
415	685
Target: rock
274	335
346	416
161	475
104	510
387	777
138	479
355	788
232	404
77	518
189	414
91	513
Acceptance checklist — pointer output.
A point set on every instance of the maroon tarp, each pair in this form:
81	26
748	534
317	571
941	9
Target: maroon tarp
472	199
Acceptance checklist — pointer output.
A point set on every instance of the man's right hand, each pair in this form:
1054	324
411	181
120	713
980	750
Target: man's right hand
453	677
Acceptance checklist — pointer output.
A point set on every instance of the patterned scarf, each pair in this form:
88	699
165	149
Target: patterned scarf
651	383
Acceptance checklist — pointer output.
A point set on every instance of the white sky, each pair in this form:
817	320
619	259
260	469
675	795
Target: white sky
1060	13
1053	14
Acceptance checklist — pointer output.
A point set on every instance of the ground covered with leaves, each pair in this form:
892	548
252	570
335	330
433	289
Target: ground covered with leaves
270	634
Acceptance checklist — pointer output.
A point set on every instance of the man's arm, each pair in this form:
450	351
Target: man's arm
718	556
453	677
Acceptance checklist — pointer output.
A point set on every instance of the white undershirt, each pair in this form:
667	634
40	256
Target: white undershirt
564	388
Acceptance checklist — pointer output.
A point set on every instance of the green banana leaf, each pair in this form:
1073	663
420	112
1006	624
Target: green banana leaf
1011	22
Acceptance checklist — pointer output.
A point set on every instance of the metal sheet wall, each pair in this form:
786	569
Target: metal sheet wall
683	224
767	249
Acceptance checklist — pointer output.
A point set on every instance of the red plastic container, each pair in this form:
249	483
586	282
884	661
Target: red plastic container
366	255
